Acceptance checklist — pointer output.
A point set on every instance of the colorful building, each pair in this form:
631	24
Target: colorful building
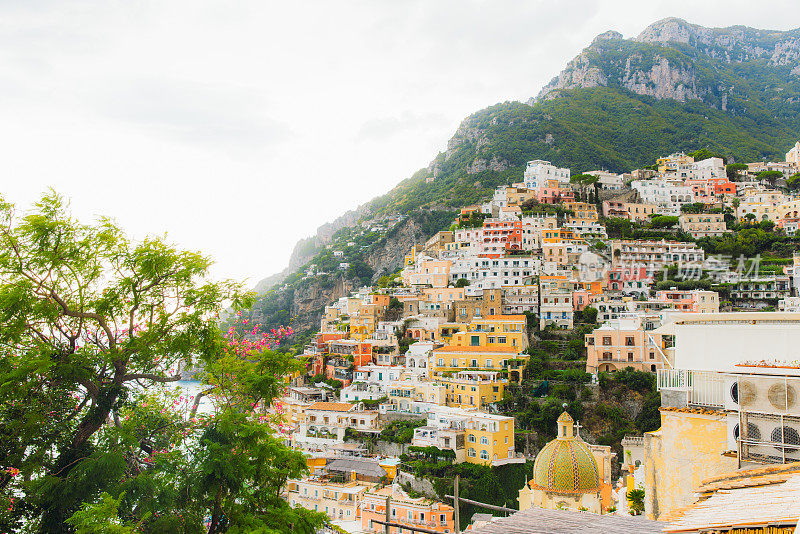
404	510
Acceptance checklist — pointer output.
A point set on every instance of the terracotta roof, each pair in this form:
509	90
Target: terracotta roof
751	477
331	406
700	411
543	521
771	504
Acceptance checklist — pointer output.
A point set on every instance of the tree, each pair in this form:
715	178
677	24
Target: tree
663	221
462	282
770	176
732	170
636	501
93	325
590	315
704	153
793	182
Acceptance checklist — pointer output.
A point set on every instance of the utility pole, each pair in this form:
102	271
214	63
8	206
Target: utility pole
386	528
455	505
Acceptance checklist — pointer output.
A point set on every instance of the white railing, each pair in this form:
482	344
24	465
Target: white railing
703	388
673	379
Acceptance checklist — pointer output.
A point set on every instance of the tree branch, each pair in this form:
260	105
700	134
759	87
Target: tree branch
197	398
151	376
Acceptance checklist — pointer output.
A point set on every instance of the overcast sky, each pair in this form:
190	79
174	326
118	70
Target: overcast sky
239	127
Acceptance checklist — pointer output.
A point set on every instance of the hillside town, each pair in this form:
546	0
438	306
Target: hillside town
610	276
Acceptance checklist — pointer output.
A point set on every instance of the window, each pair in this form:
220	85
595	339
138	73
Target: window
475	341
484	440
484	455
471	452
629	341
606	340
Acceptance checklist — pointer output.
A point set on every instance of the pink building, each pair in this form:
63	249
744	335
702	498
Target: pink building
622	343
629	280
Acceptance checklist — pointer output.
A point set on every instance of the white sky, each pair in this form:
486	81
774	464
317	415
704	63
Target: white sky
239	127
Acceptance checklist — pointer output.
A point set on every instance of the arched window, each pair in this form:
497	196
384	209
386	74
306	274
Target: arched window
484	440
484	455
471	438
471	452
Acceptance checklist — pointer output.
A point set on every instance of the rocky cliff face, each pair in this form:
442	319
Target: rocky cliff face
674	59
305	301
307	248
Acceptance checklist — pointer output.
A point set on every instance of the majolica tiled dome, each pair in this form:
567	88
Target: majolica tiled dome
566	464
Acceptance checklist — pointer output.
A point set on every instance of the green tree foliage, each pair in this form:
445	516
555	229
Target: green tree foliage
793	182
636	501
749	242
93	325
102	516
770	176
401	431
462	282
704	153
589	315
696	207
663	221
360	271
733	170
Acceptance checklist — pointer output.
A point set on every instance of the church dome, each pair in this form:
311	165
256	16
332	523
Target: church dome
566	464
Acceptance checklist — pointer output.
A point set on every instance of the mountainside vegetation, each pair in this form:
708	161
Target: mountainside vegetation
618	106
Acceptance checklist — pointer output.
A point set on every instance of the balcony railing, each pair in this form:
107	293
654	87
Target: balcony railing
703	388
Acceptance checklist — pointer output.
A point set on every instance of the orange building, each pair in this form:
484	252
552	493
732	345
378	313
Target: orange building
404	510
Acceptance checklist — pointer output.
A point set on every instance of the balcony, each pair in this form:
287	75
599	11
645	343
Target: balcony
702	388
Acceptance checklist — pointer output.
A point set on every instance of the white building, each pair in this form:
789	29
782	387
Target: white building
608	180
668	195
789	304
494	273
359	391
378	375
538	172
417	359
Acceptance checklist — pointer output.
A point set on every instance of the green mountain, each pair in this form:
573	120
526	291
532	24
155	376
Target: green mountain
619	105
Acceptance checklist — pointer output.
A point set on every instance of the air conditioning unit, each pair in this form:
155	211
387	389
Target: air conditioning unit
766	394
767	438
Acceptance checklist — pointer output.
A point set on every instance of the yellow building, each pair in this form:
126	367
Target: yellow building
411	257
404	394
339	500
362	325
558	236
489	439
473	389
492	343
689	447
672	163
583	211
